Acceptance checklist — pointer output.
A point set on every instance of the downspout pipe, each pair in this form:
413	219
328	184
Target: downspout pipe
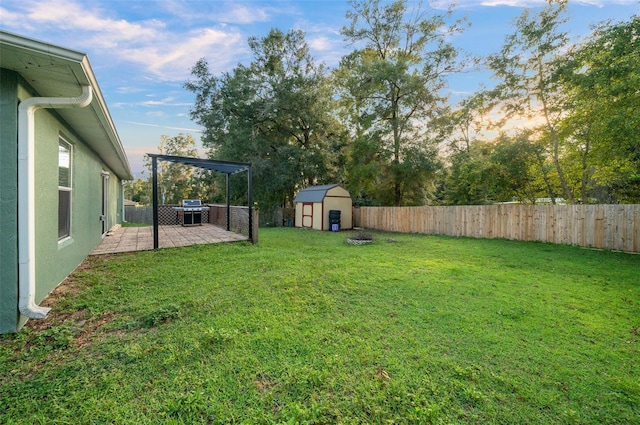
26	194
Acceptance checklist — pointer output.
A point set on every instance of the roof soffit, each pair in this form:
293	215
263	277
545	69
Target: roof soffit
57	72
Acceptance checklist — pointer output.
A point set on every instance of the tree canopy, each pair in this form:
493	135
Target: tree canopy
175	181
391	89
381	124
274	113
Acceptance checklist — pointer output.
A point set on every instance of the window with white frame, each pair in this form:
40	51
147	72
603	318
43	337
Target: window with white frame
64	189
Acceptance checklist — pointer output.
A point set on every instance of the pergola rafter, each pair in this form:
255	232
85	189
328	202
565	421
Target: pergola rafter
226	167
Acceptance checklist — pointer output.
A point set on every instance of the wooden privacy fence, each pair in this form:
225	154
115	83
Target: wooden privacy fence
135	214
614	227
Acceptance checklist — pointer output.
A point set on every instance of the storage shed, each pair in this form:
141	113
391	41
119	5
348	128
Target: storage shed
314	203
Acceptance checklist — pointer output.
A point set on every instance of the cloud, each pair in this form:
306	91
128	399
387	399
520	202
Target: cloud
162	50
72	16
444	4
325	41
244	15
321	43
170	59
130	89
219	11
9	18
195	130
157	114
151	103
154	103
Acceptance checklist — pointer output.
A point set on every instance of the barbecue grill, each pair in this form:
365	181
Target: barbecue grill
190	212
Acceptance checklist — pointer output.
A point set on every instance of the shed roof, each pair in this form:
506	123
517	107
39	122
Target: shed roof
54	71
314	193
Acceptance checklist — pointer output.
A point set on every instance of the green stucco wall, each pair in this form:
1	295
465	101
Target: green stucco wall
54	260
8	201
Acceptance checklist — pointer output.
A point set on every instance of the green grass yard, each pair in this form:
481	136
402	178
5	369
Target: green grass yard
304	328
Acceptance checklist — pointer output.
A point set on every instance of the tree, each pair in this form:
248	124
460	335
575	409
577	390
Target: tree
179	181
514	168
462	126
501	171
138	191
529	67
275	113
391	88
469	179
602	81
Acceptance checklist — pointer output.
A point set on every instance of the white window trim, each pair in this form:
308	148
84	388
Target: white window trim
64	240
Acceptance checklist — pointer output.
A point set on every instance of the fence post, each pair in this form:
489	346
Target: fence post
255	224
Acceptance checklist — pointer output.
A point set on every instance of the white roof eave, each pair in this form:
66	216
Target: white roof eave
54	71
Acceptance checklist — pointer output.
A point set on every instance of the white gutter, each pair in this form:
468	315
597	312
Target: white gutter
26	194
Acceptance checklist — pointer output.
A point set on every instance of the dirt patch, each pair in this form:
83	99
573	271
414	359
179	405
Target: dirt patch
86	329
78	320
264	383
69	287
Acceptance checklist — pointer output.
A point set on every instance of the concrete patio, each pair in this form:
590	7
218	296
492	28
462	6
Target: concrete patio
127	239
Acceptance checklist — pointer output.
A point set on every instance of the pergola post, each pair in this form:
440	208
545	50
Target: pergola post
228	203
154	170
250	200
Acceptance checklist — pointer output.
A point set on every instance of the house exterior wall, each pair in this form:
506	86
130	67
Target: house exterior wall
115	199
8	201
54	260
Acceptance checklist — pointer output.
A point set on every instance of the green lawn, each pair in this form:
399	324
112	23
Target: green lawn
304	328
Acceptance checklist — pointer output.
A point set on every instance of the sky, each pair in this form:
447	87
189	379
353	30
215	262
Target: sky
142	51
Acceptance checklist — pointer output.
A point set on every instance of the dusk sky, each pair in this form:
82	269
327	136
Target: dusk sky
142	51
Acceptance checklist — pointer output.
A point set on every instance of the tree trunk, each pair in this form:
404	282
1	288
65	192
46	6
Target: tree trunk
585	172
555	140
397	192
556	163
545	178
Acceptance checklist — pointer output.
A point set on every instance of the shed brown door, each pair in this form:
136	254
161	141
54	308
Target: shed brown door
307	214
